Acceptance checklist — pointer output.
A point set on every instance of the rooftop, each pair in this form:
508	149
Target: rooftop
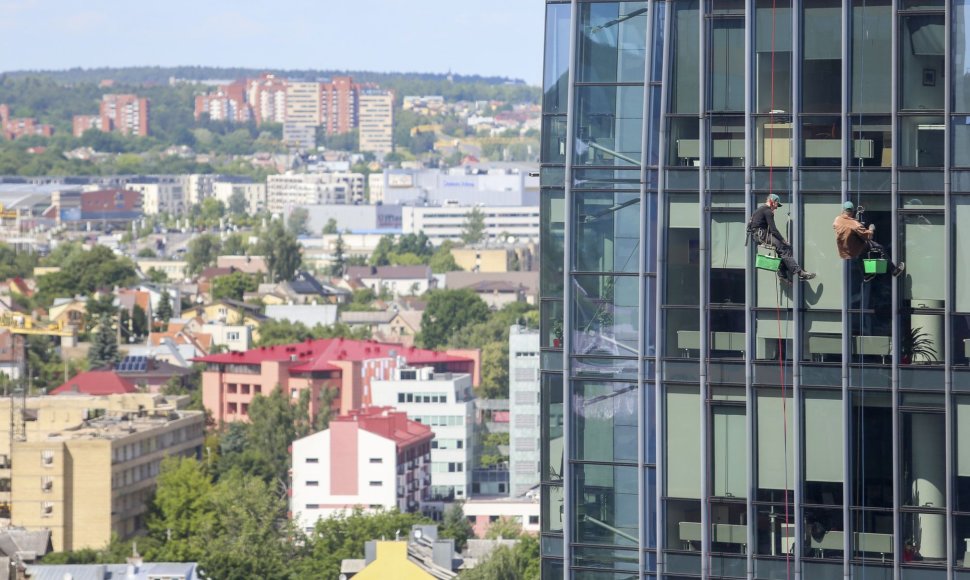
390	424
316	355
95	383
119	425
389	272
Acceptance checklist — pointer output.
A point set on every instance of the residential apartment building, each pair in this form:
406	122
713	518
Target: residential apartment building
228	103
267	99
523	410
284	192
442	223
160	195
702	419
126	114
254	193
375	121
444	402
14	127
105	449
232	379
373	458
338	105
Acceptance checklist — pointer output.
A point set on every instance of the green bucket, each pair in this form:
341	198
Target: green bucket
770	263
874	266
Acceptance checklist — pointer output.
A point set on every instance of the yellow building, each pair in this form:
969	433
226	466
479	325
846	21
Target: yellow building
483	259
229	312
392	562
85	466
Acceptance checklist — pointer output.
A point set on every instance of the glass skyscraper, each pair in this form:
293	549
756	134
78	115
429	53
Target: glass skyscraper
700	417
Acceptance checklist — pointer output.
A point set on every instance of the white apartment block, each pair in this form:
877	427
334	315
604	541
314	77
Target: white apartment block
160	195
444	402
375	121
255	194
284	192
523	410
447	222
303	103
374	458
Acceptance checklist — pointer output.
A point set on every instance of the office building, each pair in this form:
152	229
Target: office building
284	192
373	458
702	419
225	189
523	410
441	223
160	194
444	402
375	121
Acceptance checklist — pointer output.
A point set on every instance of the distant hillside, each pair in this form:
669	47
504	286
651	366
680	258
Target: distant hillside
160	75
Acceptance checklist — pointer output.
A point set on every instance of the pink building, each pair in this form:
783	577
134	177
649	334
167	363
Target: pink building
375	458
232	379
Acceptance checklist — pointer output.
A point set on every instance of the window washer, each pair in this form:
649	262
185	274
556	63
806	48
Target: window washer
762	227
853	238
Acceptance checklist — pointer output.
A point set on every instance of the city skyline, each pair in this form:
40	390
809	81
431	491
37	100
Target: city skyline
493	39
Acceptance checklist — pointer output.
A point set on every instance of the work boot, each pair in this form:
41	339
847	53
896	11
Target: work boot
899	269
806	275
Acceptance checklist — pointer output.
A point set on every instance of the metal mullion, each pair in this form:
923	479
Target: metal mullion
567	527
948	290
796	318
660	417
704	288
894	206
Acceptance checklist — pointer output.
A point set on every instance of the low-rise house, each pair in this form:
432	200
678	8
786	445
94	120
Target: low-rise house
374	458
69	311
528	281
309	314
386	325
173	269
228	311
304	288
484	511
396	280
135	569
95	383
244	264
150	373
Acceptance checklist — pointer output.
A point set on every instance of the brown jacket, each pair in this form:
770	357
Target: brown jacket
850	236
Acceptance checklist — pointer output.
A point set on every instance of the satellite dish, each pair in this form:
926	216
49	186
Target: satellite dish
418	534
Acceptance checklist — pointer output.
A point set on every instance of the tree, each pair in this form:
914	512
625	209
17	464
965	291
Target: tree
234	245
495	371
330	227
456	526
381	256
442	260
504	563
147	253
281	250
164	311
180	512
237	203
104	348
233	286
156	276
449	311
505	528
474	228
343	536
298	220
339	261
83	272
202	253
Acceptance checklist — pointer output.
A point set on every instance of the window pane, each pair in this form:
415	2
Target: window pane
823	437
683	249
960	45
729	449
872	25
552	230
685	59
612	44
554	139
606	421
823	337
820	254
727	64
727	142
822	54
921	55
921	142
961	228
607	232
773	42
605	312
962	441
872	147
556	81
682	442
872	437
821	141
606	504
924	467
610	123
775	440
552	425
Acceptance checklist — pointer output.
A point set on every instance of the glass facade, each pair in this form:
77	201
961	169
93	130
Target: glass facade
700	419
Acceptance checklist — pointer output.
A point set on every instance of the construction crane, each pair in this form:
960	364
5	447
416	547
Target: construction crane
10	214
17	323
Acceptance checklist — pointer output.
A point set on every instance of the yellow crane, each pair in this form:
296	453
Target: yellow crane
7	214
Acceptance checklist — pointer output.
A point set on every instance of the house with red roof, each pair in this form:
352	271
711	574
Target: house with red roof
96	383
232	379
372	458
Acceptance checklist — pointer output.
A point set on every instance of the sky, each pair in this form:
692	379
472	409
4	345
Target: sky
485	37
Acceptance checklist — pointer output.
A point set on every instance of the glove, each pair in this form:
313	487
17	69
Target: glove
872	227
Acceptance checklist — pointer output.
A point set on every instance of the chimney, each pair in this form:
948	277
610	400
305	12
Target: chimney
370	551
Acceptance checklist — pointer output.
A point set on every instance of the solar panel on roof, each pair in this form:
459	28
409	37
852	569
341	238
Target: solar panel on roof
133	364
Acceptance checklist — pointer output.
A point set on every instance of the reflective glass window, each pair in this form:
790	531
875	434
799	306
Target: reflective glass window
551	235
606	504
822	438
921	141
960	45
612	42
822	57
685	57
872	26
682	442
555	84
773	44
607	232
727	64
872	146
552	427
921	58
821	141
683	249
729	451
605	416
819	251
609	125
605	321
871	433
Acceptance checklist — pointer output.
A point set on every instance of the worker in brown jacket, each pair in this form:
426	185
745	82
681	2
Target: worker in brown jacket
853	238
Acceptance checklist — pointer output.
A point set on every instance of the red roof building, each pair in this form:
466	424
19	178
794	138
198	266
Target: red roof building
95	383
231	380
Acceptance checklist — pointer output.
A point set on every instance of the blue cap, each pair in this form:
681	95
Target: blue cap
774	197
848	206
